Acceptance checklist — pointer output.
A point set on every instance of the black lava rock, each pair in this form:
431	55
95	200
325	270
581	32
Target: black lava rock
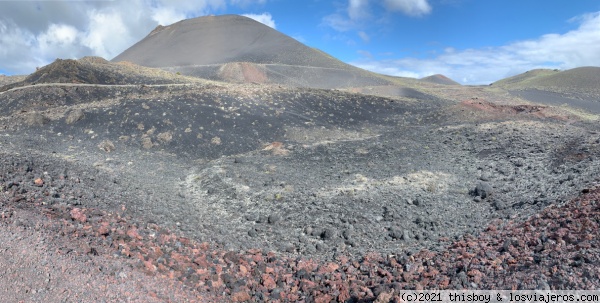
274	218
328	234
483	190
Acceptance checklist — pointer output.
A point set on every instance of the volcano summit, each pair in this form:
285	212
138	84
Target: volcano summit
239	49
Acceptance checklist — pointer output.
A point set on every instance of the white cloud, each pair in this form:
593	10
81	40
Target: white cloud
339	22
358	16
15	51
357	13
58	36
264	18
357	9
365	53
364	36
167	15
35	33
409	7
246	3
579	47
103	27
166	12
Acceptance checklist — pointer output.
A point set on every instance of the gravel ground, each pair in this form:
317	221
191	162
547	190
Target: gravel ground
587	103
58	253
69	253
292	194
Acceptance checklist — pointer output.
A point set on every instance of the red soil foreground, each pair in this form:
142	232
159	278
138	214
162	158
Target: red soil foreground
60	253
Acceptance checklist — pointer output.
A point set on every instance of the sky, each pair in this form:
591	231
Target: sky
470	41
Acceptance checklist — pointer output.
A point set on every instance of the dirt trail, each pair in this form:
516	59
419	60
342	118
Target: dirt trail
93	85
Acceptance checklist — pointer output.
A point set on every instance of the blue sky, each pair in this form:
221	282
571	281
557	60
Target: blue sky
471	41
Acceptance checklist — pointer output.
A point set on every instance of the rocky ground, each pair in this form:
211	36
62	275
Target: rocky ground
258	193
69	253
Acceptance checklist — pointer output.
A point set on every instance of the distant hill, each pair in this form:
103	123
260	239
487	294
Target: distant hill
4	80
579	83
525	78
239	49
96	70
581	78
439	79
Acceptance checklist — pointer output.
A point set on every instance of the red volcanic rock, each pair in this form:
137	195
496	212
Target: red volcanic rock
557	249
268	281
328	268
240	296
132	232
325	298
38	182
78	215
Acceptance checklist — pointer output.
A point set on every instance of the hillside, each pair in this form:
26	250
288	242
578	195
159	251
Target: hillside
5	80
439	79
580	79
524	79
238	49
577	83
95	70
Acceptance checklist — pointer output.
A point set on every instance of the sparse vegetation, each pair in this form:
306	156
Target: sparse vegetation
74	116
107	146
36	119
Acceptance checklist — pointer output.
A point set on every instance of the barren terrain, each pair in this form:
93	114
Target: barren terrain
207	191
260	176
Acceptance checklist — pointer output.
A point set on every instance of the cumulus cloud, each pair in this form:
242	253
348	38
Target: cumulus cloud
166	12
16	45
579	47
409	7
167	15
364	36
59	36
35	33
358	12
246	3
339	22
365	53
264	18
357	9
360	15
104	27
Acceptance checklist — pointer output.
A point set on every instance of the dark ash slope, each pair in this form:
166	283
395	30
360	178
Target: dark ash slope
203	47
222	39
96	70
577	83
304	171
439	79
574	88
307	174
